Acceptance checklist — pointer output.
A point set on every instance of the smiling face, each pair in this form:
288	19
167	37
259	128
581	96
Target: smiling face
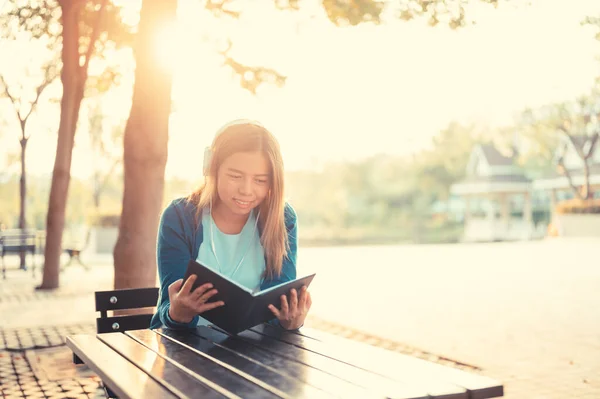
244	172
243	182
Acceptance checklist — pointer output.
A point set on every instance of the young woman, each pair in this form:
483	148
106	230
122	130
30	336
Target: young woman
237	223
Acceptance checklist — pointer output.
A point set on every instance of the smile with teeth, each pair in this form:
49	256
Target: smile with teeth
242	203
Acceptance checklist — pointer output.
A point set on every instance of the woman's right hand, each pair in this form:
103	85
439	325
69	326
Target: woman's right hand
185	305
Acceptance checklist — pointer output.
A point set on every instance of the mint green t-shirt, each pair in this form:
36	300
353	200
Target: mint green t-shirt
231	249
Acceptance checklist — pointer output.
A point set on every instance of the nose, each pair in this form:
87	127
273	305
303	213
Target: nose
245	187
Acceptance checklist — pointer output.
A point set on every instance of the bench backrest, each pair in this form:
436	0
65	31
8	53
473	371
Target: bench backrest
18	240
134	298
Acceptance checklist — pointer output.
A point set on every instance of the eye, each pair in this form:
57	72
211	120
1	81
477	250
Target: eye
261	181
234	176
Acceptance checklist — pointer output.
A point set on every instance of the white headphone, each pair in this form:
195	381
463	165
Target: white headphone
208	151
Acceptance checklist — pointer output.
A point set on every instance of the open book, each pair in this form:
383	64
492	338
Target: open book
243	309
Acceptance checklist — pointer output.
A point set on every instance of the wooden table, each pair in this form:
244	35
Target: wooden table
266	362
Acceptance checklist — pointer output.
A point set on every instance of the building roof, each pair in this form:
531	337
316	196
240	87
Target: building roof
577	144
495	157
580	140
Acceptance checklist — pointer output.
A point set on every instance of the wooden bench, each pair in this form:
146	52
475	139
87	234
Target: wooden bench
265	362
17	242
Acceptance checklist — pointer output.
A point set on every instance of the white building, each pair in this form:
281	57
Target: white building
498	198
556	184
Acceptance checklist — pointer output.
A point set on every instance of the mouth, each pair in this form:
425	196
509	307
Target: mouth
242	204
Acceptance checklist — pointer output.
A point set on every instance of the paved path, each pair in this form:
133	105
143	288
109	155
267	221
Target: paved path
526	313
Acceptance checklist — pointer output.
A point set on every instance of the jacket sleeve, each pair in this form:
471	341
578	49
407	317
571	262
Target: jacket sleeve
173	255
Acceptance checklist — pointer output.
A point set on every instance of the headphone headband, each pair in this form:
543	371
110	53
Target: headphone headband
208	151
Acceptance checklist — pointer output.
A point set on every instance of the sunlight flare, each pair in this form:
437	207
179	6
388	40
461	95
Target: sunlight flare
168	45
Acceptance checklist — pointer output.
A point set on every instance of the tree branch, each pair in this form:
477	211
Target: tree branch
101	186
218	8
252	77
572	140
13	100
50	73
565	172
592	148
287	5
94	36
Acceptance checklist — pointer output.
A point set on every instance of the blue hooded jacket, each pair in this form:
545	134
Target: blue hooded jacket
179	239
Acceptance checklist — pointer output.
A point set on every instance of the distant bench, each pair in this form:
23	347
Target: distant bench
16	242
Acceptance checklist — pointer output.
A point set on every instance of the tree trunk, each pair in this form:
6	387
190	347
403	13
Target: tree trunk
567	174
96	198
100	184
586	191
23	194
145	154
593	141
73	82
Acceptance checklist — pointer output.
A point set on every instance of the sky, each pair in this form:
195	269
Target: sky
350	92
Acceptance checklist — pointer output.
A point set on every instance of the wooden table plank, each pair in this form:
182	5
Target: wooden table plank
183	348
214	382
123	378
478	387
369	380
372	361
268	362
315	377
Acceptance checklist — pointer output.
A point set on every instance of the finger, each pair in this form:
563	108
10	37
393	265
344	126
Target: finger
293	301
302	300
275	311
198	292
285	309
174	287
209	306
308	301
206	296
187	287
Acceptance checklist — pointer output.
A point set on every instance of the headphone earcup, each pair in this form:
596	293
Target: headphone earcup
206	161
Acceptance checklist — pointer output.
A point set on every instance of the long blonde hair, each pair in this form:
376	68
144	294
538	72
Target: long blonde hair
246	136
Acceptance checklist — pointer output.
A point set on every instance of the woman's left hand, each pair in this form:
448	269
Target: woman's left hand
291	316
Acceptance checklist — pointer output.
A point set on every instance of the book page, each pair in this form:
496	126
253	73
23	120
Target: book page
291	282
248	290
